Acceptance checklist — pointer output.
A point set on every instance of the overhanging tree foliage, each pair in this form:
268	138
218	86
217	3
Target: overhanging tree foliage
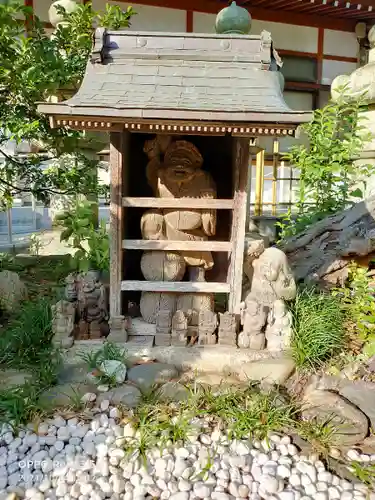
33	68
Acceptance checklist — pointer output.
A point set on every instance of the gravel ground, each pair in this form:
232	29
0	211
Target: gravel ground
76	459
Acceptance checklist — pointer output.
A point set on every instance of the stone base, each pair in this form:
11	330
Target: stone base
263	365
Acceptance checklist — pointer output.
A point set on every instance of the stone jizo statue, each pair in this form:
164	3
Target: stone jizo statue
265	318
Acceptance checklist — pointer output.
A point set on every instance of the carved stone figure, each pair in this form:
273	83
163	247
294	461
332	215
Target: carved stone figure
193	303
88	297
63	320
71	287
179	329
206	328
279	328
272	283
253	319
118	329
227	329
163	322
174	171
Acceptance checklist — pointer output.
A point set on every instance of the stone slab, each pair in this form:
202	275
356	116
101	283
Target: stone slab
140	341
201	359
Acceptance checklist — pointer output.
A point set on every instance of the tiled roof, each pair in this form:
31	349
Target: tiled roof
182	77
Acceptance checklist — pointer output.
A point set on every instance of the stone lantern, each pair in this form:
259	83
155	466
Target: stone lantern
361	84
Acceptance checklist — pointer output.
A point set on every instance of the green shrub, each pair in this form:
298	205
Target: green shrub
318	328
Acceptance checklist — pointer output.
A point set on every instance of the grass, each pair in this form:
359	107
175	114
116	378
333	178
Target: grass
321	435
94	359
318	328
364	473
26	345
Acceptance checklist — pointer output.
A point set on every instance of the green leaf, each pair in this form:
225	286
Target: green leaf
357	193
66	234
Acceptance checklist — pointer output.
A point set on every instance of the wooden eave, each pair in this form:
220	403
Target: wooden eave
170	126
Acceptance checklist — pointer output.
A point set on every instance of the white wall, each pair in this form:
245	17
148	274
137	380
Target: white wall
331	69
150	18
340	43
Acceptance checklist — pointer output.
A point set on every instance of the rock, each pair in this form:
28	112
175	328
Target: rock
126	395
11	378
12	290
151	373
64	395
72	373
173	391
114	369
351	424
273	371
216	379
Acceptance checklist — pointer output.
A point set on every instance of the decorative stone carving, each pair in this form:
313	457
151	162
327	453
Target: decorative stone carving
118	329
193	303
63	320
279	328
227	329
253	319
207	327
179	329
264	314
89	299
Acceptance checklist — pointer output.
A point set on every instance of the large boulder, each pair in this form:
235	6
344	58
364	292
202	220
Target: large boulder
12	291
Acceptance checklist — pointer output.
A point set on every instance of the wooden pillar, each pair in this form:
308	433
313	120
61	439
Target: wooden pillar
118	154
241	155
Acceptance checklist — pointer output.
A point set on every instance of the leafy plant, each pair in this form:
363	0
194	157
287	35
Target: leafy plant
318	328
358	305
322	435
91	244
95	359
35	68
328	177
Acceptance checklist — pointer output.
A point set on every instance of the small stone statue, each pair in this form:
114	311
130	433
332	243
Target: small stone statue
63	320
272	283
227	329
253	318
179	329
71	287
89	300
279	328
206	328
163	327
118	329
163	322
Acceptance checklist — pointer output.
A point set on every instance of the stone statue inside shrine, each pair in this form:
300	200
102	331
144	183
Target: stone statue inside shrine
175	171
264	315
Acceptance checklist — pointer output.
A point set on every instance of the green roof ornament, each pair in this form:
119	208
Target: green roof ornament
233	20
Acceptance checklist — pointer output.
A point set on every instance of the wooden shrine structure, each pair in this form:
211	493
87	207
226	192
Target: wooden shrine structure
216	92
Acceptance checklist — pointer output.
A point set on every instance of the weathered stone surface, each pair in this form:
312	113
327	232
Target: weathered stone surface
72	373
64	394
269	371
12	290
12	378
351	424
148	374
359	393
216	379
174	391
126	395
